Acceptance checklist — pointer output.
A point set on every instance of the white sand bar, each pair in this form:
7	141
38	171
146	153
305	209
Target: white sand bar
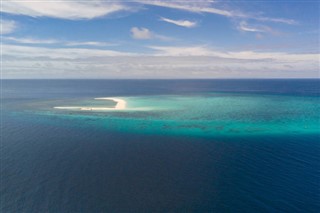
121	105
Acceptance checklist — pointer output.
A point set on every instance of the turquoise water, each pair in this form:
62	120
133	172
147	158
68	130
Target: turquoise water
210	114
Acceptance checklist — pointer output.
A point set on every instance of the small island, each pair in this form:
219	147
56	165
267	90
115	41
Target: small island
120	105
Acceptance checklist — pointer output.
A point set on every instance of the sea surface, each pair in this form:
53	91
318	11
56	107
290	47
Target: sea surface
180	146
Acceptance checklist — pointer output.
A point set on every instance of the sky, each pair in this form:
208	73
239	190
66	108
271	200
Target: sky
143	39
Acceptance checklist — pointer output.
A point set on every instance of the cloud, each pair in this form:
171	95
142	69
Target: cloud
57	53
30	40
164	62
259	29
7	26
238	55
191	6
205	6
145	34
73	10
90	43
141	33
79	9
53	41
244	26
278	20
181	51
182	23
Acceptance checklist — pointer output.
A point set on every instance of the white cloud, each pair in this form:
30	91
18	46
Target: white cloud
79	9
244	26
191	6
242	55
206	6
182	23
7	26
181	51
141	33
53	41
90	43
30	40
72	10
258	29
57	53
165	62
145	34
279	20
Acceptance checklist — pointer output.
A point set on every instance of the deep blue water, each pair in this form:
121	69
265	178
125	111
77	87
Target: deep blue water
53	164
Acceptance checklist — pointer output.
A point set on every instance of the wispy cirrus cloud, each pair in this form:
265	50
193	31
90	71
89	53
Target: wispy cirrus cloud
78	9
30	40
37	41
7	26
90	43
278	20
201	6
207	6
73	10
181	23
244	26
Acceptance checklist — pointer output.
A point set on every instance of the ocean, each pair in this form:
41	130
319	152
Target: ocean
182	146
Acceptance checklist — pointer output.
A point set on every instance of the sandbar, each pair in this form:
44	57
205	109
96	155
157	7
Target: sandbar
120	105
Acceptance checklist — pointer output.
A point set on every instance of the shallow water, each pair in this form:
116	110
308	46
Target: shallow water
209	114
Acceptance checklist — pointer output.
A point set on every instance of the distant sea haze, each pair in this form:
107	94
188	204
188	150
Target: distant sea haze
176	146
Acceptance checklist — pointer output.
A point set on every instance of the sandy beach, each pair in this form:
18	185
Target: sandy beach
120	105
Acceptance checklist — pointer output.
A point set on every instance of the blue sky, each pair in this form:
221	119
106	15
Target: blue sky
159	39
